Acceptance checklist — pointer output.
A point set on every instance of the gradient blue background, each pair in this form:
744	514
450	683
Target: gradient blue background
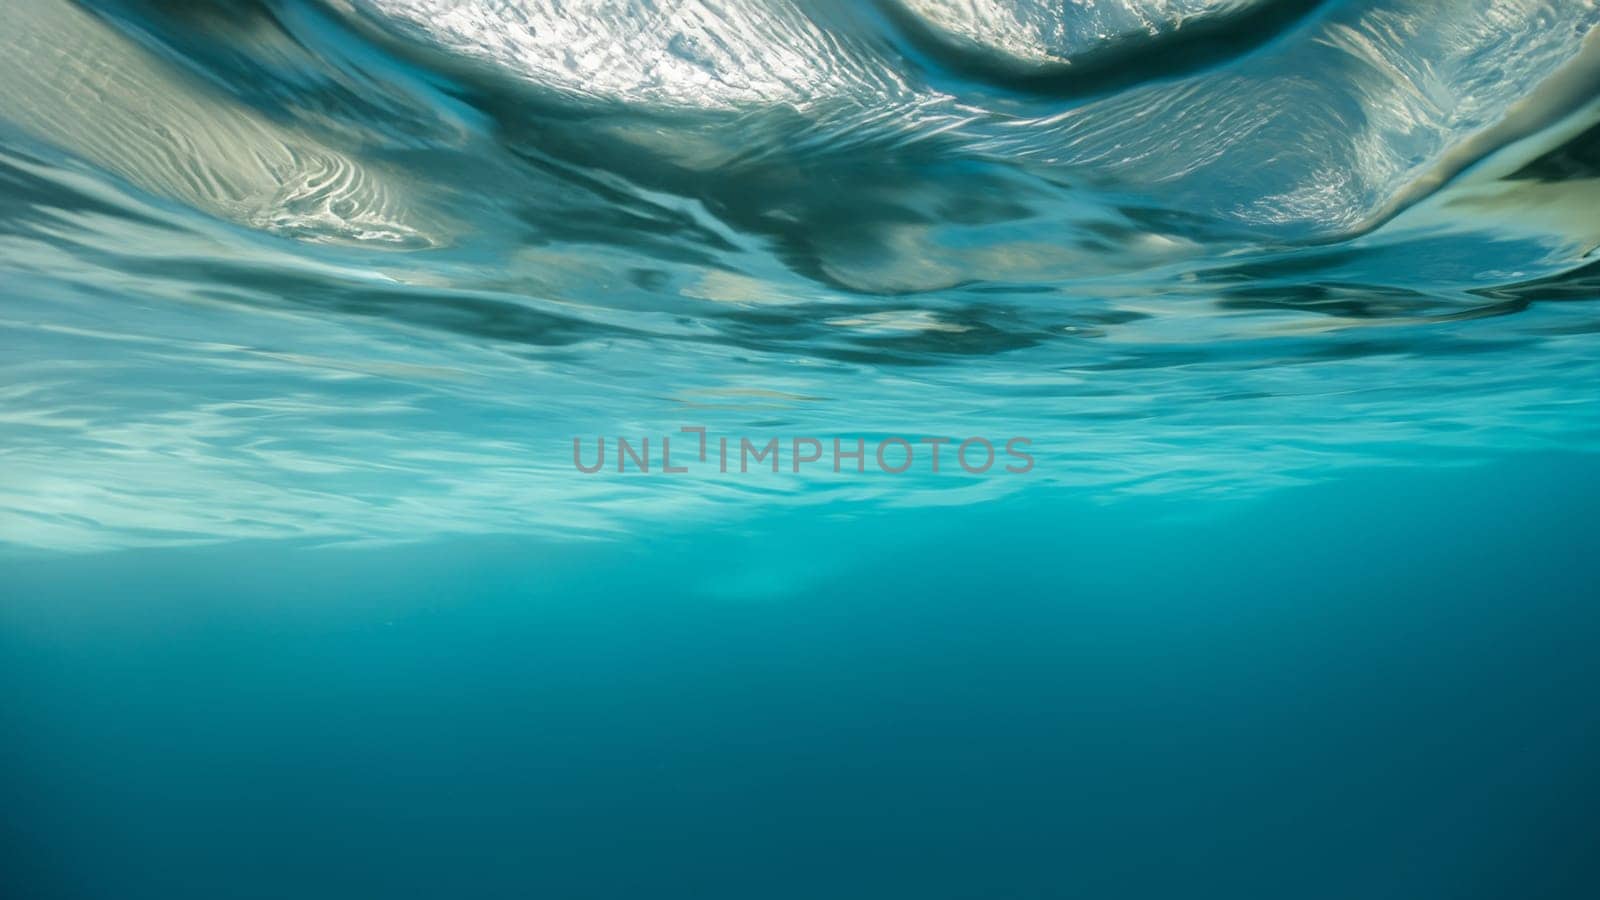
1380	686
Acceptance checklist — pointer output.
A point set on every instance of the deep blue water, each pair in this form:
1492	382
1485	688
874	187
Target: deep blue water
1382	687
1278	317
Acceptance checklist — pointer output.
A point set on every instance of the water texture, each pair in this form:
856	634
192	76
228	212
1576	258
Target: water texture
360	270
1290	307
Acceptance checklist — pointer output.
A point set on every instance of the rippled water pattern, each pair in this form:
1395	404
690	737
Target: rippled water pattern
359	270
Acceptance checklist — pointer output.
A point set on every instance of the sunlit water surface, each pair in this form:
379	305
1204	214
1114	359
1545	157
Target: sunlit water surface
362	270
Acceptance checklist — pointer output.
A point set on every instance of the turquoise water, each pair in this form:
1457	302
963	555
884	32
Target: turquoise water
1380	686
1255	341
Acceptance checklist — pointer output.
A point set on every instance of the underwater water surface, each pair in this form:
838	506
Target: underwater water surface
343	552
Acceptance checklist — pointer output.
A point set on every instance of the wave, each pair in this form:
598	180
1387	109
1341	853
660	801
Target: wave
361	269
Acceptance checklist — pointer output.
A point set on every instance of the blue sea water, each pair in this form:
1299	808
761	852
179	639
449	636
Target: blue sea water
1278	318
1380	686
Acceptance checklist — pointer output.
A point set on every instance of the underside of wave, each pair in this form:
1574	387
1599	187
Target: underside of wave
75	83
